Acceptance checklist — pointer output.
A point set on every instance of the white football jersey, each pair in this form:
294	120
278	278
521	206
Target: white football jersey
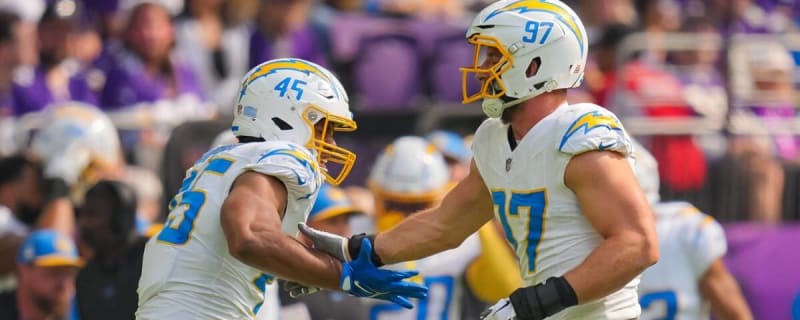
443	274
540	215
188	272
689	242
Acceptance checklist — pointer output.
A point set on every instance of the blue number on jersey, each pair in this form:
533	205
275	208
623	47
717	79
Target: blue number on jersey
446	282
668	297
535	203
185	206
261	283
532	28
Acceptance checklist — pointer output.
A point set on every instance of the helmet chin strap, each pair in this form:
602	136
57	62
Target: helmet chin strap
493	107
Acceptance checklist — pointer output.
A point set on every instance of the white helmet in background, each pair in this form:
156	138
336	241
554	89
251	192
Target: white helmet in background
76	142
523	31
646	169
409	175
284	99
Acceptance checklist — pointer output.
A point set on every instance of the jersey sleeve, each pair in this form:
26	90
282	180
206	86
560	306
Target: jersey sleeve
295	167
593	128
707	244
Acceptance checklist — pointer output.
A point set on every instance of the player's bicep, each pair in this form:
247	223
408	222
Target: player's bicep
255	201
608	193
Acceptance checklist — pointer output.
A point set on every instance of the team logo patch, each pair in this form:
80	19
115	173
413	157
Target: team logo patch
250	112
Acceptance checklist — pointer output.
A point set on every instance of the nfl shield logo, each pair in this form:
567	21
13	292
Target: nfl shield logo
508	164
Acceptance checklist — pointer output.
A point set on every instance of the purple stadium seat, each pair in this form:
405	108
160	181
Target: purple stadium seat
452	52
386	73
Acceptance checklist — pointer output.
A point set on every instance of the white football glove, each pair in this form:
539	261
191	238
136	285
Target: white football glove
502	310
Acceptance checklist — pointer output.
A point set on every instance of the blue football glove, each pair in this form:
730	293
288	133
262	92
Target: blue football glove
361	278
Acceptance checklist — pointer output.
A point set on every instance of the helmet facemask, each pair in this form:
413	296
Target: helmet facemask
323	124
492	87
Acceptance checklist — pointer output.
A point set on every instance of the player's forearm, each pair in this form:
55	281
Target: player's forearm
729	304
418	236
611	265
720	288
287	258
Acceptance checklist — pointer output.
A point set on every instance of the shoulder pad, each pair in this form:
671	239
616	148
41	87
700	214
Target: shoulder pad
589	127
486	132
292	164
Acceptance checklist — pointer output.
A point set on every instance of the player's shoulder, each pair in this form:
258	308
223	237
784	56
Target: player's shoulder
587	127
489	128
291	163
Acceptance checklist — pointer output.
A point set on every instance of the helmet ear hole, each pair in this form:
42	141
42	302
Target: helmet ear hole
283	125
533	67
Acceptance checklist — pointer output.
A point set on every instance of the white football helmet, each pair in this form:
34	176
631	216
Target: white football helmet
409	175
646	169
285	99
77	142
522	31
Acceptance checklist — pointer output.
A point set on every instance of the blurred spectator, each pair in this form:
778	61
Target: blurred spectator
148	88
20	196
764	88
47	266
103	16
749	180
440	10
216	49
601	74
145	71
106	286
57	77
29	11
9	59
20	204
598	15
330	213
648	87
704	86
283	31
762	16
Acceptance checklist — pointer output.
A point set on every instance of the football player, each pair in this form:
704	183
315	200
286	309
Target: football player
230	227
558	176
691	274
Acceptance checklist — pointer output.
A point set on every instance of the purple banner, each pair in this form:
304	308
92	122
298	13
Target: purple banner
766	262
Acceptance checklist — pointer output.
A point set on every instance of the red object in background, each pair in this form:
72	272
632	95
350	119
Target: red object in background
681	163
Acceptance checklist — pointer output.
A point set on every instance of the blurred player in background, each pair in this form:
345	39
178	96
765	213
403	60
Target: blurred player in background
231	226
77	145
331	213
558	176
411	175
691	274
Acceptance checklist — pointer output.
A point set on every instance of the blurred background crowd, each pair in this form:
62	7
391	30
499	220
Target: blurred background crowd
710	87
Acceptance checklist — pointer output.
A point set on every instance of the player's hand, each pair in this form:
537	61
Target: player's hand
502	310
361	278
297	290
345	249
